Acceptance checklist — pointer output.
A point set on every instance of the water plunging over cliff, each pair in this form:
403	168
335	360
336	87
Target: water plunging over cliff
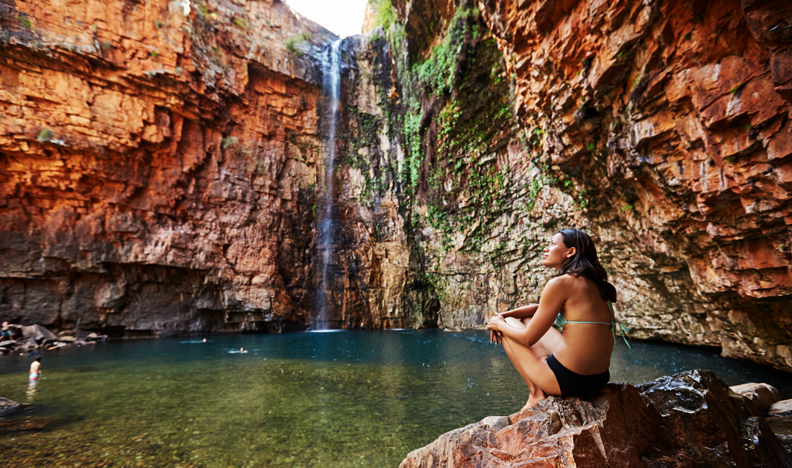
331	87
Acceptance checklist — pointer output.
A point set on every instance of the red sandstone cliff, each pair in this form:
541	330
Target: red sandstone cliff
158	166
675	118
662	127
155	162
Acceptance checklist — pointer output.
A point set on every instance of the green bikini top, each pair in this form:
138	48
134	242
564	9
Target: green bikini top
560	321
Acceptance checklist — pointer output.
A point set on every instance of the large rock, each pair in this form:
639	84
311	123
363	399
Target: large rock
684	420
37	333
711	426
762	395
781	408
8	406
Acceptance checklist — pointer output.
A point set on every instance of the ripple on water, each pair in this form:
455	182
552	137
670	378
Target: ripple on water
301	399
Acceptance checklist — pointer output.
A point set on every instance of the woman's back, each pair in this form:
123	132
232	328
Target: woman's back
586	348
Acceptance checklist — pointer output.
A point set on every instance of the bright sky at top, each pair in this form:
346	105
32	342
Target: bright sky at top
343	17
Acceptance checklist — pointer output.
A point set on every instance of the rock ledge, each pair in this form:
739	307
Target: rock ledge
689	419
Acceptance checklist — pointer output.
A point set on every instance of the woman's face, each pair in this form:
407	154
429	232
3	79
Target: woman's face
555	253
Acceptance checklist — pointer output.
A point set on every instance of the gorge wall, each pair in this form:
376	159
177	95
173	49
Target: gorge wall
674	117
161	164
156	159
661	127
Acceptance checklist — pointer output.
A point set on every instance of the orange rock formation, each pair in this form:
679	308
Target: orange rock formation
151	159
675	116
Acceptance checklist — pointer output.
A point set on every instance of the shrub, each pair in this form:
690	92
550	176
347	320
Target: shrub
45	135
290	44
228	142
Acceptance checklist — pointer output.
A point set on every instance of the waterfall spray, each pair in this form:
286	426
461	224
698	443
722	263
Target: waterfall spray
331	86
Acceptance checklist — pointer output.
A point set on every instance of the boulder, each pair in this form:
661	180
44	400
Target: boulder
712	426
8	406
95	337
67	339
450	448
761	395
684	420
781	408
38	333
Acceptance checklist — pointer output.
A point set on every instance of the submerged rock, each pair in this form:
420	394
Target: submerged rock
684	420
8	406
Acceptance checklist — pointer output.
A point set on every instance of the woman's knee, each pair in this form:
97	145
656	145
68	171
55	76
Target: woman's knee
516	323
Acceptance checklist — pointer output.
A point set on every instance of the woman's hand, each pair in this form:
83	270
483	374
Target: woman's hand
494	327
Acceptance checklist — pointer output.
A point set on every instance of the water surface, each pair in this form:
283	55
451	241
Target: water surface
303	399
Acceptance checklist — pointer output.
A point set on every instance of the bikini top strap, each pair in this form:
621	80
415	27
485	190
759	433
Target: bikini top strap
622	327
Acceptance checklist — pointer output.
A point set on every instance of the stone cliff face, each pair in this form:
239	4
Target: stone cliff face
376	277
661	127
675	119
161	165
156	162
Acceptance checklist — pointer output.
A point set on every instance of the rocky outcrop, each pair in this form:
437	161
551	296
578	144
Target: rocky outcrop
441	148
684	420
623	118
376	275
781	409
674	118
157	162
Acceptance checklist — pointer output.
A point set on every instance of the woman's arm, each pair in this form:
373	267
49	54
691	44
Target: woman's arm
553	298
521	312
518	313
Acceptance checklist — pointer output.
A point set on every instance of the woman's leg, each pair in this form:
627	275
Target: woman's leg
531	363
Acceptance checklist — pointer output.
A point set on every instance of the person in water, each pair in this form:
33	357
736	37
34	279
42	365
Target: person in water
578	299
5	332
35	369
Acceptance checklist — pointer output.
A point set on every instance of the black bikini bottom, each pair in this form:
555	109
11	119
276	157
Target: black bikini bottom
574	384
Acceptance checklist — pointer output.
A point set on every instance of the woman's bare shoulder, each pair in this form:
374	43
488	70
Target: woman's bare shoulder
563	280
560	283
567	283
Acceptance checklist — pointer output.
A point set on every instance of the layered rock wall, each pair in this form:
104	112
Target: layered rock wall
375	275
675	118
156	162
160	164
660	127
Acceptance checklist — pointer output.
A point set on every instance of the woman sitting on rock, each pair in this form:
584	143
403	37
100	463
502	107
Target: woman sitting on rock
578	299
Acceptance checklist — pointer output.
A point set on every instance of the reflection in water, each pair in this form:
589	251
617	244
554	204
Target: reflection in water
31	390
302	399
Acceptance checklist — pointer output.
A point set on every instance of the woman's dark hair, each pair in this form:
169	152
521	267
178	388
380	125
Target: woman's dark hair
585	262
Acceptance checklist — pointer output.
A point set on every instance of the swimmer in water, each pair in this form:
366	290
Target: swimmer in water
35	369
204	340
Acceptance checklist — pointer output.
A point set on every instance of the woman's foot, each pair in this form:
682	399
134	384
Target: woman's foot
534	398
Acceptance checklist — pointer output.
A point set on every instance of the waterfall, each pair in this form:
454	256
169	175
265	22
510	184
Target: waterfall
331	86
